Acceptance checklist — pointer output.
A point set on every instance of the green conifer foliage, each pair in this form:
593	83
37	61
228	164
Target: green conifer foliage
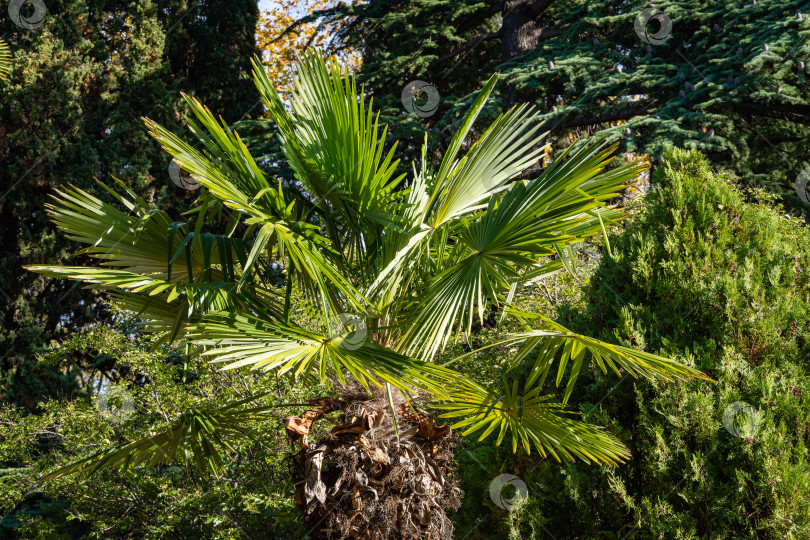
70	111
728	78
702	272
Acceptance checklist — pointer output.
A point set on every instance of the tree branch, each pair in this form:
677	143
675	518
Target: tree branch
539	7
312	17
611	115
542	34
791	112
548	33
471	44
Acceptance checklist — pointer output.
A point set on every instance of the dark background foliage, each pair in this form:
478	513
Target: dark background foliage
730	80
70	111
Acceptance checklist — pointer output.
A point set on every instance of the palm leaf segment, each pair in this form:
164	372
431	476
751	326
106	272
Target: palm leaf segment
533	419
418	264
199	438
5	59
158	269
336	149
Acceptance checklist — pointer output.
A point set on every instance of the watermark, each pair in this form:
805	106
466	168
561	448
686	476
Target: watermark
31	22
421	98
800	185
643	20
116	404
500	482
740	419
352	331
181	178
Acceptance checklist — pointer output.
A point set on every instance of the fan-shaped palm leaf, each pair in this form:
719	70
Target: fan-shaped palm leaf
198	437
337	150
553	342
533	420
533	220
241	340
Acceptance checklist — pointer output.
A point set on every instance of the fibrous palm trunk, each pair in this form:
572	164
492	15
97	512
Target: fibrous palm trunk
362	481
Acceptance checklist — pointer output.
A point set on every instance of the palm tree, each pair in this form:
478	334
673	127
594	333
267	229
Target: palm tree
414	265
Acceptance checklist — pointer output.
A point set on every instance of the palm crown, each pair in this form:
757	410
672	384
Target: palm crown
414	263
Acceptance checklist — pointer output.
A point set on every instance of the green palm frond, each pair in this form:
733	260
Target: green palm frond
531	417
533	420
225	166
336	147
198	437
504	151
161	267
144	240
231	174
401	249
111	279
553	342
311	262
5	59
241	340
531	221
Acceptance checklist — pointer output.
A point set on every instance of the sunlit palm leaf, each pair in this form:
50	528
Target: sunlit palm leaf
5	59
336	147
529	222
555	343
226	167
533	420
230	173
144	241
503	152
173	268
241	340
198	438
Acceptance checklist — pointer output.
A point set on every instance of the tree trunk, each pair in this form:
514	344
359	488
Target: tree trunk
361	481
522	27
522	31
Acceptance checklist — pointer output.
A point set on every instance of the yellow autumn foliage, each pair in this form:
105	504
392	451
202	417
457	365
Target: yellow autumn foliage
280	52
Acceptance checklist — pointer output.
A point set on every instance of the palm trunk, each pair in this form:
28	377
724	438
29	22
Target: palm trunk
361	481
